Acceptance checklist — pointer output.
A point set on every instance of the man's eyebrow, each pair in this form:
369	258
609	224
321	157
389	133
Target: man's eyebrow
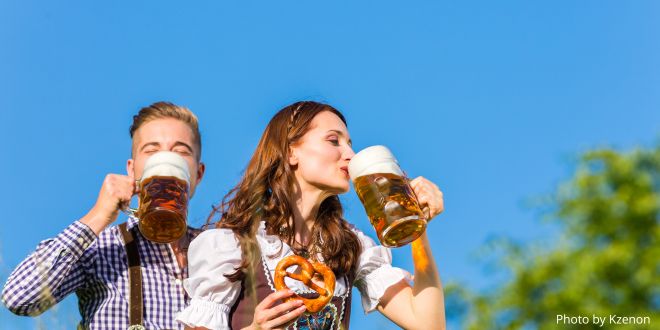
340	133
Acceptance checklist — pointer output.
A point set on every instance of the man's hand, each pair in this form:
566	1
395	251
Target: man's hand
116	192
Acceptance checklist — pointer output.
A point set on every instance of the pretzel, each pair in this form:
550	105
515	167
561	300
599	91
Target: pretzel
308	270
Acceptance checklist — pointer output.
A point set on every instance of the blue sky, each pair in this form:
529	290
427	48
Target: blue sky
492	100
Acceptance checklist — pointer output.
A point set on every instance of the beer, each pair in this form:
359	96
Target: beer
388	199
163	198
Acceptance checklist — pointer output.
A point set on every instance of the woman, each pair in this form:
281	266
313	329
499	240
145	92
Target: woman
286	203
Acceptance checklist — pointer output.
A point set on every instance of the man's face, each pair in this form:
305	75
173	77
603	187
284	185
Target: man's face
165	134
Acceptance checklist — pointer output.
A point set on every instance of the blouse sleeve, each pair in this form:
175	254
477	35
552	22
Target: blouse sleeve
375	273
211	255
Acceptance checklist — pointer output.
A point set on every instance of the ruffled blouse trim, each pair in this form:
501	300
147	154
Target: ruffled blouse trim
270	245
204	313
378	281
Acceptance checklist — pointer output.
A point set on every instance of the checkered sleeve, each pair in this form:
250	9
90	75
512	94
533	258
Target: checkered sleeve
51	272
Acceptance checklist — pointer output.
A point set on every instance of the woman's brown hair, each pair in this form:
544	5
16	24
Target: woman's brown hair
264	192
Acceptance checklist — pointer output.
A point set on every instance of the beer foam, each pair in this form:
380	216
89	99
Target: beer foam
166	163
374	159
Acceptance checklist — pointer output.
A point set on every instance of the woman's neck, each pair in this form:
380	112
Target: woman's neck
306	203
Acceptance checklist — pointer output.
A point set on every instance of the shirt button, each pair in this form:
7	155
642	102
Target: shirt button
177	281
82	242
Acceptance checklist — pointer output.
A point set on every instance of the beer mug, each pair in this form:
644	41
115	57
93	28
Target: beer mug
163	197
388	199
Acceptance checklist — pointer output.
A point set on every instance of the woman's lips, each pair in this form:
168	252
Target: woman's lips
345	170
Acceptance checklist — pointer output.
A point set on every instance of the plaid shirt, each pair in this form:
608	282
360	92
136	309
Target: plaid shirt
96	269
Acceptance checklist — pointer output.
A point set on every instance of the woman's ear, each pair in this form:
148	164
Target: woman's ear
293	158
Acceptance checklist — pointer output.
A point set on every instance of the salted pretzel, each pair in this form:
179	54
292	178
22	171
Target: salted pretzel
308	270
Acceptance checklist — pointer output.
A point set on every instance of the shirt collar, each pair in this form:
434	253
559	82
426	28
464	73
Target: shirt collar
271	245
132	222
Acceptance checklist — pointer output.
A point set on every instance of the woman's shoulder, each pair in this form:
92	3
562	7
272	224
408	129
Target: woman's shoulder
366	241
217	239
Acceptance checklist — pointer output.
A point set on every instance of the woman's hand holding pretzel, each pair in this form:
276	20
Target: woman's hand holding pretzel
267	316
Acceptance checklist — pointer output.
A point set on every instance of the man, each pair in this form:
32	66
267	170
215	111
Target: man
89	257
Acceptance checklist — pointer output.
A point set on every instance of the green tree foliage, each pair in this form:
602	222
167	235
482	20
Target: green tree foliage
606	262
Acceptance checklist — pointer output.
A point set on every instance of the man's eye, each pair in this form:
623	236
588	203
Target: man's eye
183	151
150	151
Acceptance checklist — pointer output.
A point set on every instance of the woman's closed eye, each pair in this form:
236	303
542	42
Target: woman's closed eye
334	140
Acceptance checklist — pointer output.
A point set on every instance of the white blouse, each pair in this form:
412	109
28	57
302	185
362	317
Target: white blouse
216	252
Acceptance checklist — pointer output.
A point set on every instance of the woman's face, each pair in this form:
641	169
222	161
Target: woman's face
320	158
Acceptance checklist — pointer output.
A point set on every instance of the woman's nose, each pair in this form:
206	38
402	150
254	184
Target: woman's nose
349	153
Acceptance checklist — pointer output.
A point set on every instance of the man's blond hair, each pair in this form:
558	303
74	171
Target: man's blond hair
161	110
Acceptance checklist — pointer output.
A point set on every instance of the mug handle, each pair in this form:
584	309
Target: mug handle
426	211
129	211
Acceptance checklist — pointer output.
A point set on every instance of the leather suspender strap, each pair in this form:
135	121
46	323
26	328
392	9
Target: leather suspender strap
134	278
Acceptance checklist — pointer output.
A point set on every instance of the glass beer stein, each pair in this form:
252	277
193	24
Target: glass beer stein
387	197
163	197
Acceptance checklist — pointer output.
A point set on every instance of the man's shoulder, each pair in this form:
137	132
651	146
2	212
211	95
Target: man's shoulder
109	237
109	232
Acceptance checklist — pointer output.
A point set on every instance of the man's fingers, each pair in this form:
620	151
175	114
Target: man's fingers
125	187
134	184
116	192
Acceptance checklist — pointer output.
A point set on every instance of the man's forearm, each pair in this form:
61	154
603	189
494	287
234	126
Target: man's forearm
49	273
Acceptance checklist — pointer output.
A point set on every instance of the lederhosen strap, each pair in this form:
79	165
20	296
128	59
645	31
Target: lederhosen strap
134	279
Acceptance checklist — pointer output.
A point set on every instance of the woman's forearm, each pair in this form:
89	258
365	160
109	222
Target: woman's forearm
428	299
